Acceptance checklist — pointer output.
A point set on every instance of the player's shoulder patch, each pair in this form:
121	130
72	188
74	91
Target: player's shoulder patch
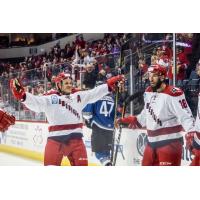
173	91
54	99
149	89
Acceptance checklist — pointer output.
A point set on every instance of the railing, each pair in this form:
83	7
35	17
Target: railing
37	80
138	80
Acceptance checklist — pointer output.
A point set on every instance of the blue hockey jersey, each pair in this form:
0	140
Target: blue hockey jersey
101	113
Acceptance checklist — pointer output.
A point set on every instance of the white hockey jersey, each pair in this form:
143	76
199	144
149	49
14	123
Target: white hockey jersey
197	126
64	113
165	115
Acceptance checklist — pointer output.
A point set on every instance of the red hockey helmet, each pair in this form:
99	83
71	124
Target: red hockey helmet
62	76
158	70
59	80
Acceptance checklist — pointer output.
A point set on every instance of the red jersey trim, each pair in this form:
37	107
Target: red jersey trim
149	89
170	90
165	131
65	127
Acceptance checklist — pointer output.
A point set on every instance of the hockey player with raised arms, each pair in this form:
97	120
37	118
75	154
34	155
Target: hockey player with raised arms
64	115
165	115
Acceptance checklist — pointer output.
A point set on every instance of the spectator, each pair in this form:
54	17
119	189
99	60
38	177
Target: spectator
82	42
143	67
40	89
101	76
182	56
181	73
154	57
90	76
193	82
49	86
195	74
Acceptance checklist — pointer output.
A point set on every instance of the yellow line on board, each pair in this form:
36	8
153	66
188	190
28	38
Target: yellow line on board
31	154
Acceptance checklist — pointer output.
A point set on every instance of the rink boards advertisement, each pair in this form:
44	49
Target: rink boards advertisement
29	139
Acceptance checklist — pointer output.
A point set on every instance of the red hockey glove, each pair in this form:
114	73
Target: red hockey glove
6	120
189	137
131	120
17	89
112	82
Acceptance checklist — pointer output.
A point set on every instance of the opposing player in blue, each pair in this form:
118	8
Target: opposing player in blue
100	117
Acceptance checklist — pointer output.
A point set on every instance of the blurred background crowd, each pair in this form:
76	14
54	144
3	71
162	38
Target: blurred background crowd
96	60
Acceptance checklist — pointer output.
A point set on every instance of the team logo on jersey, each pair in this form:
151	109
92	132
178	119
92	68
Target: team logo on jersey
54	99
141	143
175	89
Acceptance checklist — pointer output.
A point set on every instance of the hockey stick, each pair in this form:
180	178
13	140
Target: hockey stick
137	96
114	131
114	151
118	148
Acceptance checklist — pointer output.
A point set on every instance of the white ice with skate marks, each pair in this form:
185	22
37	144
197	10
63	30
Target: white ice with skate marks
33	136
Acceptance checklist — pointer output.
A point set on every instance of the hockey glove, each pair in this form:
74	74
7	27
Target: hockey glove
6	120
189	137
17	89
112	82
131	121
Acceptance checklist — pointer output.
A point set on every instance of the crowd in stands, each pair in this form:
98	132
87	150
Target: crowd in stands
187	63
74	54
162	54
99	60
80	55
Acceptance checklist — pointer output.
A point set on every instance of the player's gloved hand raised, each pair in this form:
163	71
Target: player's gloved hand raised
17	89
112	82
6	120
130	120
189	137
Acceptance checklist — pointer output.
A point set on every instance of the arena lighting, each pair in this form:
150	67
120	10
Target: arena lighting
182	44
